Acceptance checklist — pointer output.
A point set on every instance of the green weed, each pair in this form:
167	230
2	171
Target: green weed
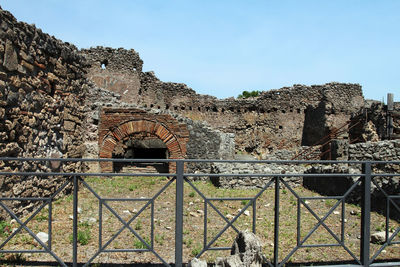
132	187
160	239
140	245
138	225
5	228
83	236
244	202
188	242
196	250
41	217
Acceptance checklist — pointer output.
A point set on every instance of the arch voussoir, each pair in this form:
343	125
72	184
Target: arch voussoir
126	129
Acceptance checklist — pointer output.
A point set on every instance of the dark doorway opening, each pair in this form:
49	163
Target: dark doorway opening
149	148
150	153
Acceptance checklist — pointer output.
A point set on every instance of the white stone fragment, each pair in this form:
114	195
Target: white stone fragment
43	237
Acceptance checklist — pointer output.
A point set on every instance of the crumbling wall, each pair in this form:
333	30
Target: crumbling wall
372	123
274	120
116	70
42	92
254	168
203	141
388	150
42	89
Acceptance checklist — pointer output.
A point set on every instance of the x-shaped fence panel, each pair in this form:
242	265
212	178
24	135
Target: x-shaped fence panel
390	200
229	223
361	182
321	222
47	201
126	224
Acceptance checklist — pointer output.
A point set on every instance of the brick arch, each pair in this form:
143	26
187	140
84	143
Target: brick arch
113	136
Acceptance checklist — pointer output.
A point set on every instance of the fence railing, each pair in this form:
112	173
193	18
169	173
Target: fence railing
365	182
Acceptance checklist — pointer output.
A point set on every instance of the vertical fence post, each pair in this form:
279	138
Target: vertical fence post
366	214
75	224
276	223
179	213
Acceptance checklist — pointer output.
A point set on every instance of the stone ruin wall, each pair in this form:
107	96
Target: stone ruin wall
42	91
388	150
120	124
204	142
274	120
374	122
51	96
50	90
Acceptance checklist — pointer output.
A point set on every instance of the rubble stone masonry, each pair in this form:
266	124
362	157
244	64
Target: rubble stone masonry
276	119
58	101
42	91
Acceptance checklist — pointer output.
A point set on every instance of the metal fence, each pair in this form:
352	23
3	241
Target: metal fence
363	181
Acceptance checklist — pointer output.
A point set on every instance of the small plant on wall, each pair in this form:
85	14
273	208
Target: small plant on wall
247	94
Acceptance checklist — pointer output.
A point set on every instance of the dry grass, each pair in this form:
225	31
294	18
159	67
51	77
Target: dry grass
164	223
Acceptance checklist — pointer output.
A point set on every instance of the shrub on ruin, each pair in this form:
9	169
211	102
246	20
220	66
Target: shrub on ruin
247	94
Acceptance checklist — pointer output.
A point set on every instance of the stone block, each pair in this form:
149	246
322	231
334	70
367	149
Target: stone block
10	61
69	126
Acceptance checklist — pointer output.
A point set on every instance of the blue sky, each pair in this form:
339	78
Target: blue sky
222	47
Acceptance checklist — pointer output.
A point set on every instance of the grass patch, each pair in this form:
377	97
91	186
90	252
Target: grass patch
5	228
84	235
196	250
140	245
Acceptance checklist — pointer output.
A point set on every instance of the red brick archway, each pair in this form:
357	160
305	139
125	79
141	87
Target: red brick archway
126	129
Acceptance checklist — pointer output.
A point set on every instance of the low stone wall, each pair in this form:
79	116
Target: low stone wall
337	186
254	168
325	184
381	150
370	151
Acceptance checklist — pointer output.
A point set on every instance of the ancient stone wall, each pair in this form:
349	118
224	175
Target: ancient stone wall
203	142
116	70
254	168
42	90
276	119
388	150
373	124
118	124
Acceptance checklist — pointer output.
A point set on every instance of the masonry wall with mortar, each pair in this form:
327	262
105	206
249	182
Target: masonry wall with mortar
45	85
274	120
374	126
42	90
204	141
117	124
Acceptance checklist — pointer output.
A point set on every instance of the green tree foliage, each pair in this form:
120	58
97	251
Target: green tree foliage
247	94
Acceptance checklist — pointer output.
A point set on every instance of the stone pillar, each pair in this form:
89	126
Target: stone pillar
340	149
